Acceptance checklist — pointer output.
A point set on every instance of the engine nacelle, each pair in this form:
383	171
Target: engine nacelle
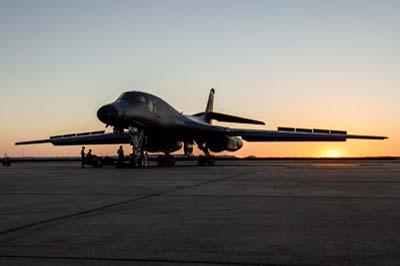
225	144
164	146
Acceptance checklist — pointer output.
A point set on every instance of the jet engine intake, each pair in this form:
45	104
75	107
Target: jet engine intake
226	144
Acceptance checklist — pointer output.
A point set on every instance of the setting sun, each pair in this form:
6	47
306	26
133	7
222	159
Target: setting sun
332	154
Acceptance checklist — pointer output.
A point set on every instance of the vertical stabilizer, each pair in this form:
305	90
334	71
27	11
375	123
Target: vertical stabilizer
210	103
209	107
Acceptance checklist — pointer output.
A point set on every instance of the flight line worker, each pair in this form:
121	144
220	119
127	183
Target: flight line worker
120	156
89	157
6	160
83	156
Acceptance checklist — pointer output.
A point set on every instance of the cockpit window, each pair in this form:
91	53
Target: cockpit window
132	97
142	99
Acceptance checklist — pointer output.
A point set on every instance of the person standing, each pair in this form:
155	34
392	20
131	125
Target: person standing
6	160
89	157
121	156
83	156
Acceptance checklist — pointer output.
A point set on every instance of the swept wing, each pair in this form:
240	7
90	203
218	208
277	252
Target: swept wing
297	134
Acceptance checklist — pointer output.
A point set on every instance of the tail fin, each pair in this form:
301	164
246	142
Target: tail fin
209	107
210	103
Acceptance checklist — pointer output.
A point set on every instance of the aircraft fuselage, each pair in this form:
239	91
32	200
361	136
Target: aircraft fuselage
148	112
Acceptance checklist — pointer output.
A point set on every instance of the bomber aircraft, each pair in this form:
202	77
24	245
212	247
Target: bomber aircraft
150	124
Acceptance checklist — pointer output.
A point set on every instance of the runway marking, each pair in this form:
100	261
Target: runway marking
108	206
154	260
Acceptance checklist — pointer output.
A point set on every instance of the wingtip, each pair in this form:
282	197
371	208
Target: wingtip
32	142
367	137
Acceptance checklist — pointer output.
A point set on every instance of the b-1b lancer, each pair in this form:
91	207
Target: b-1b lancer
150	124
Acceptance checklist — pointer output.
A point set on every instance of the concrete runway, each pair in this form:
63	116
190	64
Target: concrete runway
236	213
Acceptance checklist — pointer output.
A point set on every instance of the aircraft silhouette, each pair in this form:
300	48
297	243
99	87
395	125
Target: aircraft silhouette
150	124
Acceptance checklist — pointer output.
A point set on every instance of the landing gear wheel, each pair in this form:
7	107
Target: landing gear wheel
211	161
140	163
132	161
171	161
201	160
205	160
165	160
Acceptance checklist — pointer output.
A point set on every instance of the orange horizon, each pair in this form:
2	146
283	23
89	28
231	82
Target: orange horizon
314	150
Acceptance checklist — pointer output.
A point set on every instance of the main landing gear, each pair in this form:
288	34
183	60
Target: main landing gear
207	158
139	156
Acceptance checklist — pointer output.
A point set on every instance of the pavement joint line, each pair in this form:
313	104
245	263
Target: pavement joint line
159	260
104	207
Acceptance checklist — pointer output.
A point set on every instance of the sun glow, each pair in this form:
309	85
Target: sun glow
332	154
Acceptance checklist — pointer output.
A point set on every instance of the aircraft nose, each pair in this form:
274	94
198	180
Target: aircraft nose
108	114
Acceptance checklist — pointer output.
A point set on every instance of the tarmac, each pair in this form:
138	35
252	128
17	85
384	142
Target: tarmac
236	213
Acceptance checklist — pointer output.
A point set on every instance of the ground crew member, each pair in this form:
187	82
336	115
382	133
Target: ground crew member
6	160
121	156
89	157
83	156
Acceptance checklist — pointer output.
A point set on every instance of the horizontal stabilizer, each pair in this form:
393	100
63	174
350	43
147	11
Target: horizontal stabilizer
233	119
230	118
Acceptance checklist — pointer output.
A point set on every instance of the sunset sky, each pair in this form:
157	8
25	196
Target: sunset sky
316	64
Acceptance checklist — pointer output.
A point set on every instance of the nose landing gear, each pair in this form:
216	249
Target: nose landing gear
139	156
